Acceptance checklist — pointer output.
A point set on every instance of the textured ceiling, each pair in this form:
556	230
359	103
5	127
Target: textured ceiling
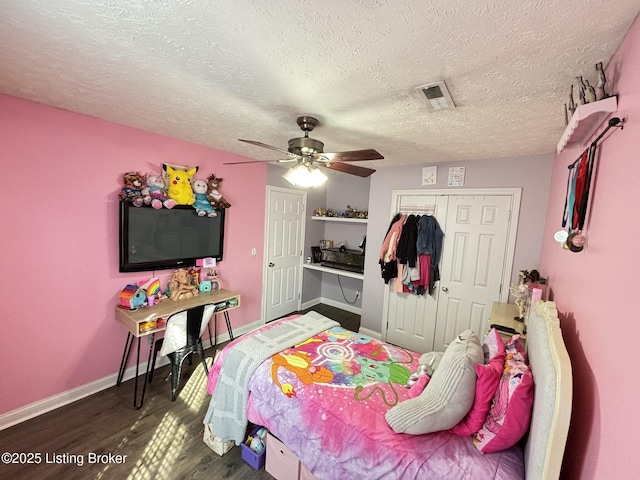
212	72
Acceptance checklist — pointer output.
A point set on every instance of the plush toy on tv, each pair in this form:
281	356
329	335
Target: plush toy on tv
180	184
202	205
158	193
215	197
134	183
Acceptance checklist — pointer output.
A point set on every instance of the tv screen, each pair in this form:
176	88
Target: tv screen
163	239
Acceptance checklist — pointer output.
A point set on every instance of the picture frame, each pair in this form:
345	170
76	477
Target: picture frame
316	254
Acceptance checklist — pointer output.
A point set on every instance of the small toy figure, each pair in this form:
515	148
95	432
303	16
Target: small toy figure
181	285
215	197
132	189
589	93
180	184
156	189
202	205
600	93
581	91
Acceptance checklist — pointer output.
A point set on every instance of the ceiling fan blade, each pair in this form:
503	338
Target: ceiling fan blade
264	145
352	169
248	161
352	156
284	160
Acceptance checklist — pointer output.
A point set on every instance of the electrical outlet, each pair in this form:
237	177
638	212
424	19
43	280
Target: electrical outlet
254	252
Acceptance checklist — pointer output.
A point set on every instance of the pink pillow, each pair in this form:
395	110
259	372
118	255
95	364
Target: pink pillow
510	413
486	386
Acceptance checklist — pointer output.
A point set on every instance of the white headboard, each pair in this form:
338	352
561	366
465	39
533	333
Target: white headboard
551	369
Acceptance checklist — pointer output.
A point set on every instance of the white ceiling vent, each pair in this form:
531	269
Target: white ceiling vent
436	95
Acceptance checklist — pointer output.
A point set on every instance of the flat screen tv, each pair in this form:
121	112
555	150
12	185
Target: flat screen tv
162	239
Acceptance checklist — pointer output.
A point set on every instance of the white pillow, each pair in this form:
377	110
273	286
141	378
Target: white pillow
448	396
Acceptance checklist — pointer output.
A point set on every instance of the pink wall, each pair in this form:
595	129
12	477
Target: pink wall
594	289
59	242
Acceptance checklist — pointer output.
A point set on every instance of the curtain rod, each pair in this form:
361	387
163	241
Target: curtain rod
613	122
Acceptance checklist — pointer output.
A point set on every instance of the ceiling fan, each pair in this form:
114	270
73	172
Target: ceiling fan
308	153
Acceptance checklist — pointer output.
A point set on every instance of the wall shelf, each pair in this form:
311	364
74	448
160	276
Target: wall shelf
335	271
585	121
341	219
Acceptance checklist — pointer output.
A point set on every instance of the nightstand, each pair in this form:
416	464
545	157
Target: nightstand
503	314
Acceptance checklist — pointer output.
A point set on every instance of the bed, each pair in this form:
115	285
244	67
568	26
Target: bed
326	399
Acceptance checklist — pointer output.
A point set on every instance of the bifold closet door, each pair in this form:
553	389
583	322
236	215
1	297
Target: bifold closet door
411	319
472	266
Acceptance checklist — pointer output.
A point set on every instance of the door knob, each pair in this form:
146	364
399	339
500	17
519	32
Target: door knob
271	264
445	289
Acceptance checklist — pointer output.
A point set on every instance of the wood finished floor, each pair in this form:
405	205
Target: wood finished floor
161	440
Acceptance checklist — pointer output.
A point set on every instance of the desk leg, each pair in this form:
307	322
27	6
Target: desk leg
226	319
146	375
125	357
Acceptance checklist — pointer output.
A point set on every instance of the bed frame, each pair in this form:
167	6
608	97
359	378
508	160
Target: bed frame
551	369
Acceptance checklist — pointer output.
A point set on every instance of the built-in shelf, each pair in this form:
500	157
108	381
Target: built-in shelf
335	271
585	121
341	219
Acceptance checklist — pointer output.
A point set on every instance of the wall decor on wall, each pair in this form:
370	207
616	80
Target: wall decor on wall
429	175
456	177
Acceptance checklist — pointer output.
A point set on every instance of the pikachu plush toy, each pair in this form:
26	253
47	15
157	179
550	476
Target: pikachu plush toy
179	184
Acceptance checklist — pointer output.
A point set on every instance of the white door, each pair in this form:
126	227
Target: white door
411	319
472	264
284	238
475	266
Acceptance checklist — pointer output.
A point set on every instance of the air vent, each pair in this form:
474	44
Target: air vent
436	95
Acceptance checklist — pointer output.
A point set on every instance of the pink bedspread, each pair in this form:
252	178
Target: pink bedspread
326	400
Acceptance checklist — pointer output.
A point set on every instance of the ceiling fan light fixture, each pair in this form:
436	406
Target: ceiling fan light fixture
305	175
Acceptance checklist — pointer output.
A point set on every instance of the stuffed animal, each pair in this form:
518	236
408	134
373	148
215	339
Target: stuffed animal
180	184
158	193
215	197
202	205
132	189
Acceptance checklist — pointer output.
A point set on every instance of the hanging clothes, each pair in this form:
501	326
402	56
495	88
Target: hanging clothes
429	242
387	261
406	252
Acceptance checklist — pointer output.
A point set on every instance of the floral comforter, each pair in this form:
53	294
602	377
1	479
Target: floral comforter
326	399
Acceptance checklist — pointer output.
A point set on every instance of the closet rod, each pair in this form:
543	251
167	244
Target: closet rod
613	122
416	209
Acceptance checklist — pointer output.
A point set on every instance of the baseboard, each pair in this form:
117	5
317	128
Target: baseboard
310	303
370	333
331	303
40	407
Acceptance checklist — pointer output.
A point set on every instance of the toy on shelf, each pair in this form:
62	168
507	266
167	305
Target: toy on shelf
132	297
157	190
350	212
213	192
181	285
134	183
152	289
201	204
180	184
